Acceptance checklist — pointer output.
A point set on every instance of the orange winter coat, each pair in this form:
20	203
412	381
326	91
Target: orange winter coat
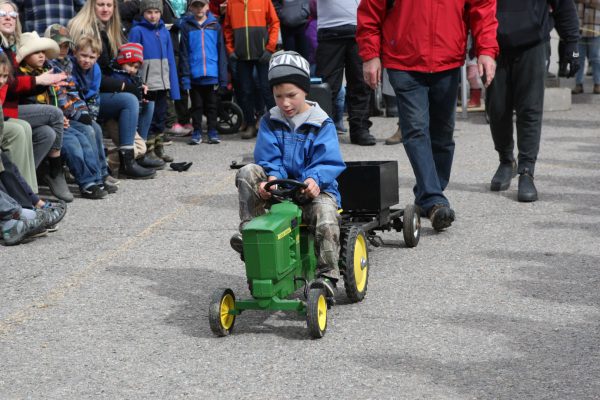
250	27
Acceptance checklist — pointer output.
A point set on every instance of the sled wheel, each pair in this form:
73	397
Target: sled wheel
411	225
230	118
221	321
355	263
316	313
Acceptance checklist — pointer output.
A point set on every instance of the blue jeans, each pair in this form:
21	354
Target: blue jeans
245	77
426	107
94	135
81	158
125	108
589	47
145	119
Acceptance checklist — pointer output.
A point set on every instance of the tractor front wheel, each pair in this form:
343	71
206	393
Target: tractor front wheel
219	317
355	263
316	313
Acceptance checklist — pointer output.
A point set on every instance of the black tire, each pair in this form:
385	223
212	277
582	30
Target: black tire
355	263
220	302
230	118
411	225
316	313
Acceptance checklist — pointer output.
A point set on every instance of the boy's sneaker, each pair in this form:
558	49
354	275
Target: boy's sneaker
236	243
250	132
109	187
179	130
111	179
213	138
441	217
94	192
196	138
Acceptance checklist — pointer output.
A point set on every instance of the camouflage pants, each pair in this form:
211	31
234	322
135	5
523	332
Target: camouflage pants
320	215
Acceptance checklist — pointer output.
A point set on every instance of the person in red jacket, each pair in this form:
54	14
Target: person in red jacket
423	45
251	29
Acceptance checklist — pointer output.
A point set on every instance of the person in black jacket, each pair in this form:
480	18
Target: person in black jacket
523	33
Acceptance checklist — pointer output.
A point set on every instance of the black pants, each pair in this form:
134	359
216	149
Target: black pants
159	97
334	55
204	101
519	86
294	39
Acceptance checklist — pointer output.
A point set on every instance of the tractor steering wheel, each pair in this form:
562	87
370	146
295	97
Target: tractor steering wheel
291	192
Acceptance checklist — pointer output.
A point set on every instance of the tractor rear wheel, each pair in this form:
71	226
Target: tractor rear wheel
221	303
316	313
355	263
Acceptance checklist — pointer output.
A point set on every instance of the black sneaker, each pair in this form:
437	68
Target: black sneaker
527	191
94	192
237	244
109	187
441	217
364	140
326	283
504	174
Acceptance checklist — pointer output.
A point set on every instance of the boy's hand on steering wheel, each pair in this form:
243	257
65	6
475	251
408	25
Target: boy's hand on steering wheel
313	190
265	194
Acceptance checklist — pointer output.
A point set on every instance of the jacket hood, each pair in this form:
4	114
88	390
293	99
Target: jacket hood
144	22
316	118
190	19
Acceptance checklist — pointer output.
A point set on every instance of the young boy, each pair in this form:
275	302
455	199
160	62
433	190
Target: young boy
296	140
77	149
159	71
74	107
203	67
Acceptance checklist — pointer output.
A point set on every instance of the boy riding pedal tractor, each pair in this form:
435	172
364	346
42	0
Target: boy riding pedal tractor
296	140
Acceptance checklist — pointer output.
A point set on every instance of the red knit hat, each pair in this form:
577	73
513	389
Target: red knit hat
130	53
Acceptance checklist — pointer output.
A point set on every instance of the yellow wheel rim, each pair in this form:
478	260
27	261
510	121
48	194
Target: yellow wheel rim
227	304
322	313
361	266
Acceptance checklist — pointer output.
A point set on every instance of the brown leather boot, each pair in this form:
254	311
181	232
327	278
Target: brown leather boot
578	89
396	138
596	89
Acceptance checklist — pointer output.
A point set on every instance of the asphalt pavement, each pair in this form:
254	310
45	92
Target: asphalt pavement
503	305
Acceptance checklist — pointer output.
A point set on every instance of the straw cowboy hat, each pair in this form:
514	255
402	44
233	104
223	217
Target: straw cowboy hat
31	43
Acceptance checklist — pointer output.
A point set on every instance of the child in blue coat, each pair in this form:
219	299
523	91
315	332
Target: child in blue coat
296	140
203	67
159	71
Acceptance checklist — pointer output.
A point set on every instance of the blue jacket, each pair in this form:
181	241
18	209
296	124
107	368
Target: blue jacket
159	71
312	151
202	57
89	85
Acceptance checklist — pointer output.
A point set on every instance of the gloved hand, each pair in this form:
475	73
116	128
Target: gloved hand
568	59
85	118
233	57
181	166
266	57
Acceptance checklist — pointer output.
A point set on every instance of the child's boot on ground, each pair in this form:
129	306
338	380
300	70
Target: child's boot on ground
159	148
129	168
150	159
54	176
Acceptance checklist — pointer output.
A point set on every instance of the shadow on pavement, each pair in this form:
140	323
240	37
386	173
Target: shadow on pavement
528	358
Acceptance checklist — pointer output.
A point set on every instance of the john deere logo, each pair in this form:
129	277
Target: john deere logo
284	233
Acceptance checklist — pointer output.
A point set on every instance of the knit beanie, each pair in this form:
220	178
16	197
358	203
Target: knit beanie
130	53
289	67
151	4
191	2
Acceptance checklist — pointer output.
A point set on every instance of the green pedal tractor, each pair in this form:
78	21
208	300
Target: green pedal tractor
280	256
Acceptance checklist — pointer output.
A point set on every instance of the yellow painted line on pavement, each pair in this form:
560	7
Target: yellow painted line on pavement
74	281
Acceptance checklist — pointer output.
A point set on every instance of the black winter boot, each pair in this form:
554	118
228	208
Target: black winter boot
54	176
128	168
527	191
